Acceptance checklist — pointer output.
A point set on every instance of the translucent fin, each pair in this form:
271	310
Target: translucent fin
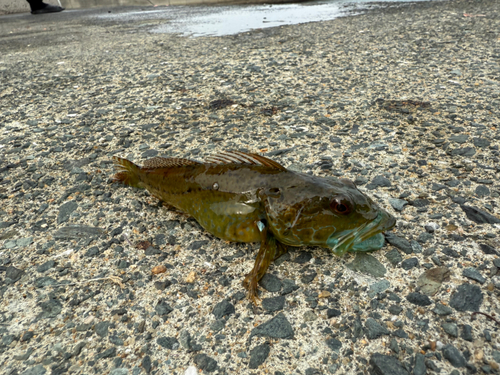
239	157
127	172
159	162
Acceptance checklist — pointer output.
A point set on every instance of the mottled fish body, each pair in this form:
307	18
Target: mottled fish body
249	198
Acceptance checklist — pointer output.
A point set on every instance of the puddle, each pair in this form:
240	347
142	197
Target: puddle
233	19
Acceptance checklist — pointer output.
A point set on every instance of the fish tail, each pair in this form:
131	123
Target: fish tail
127	172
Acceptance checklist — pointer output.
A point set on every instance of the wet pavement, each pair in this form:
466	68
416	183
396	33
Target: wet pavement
193	20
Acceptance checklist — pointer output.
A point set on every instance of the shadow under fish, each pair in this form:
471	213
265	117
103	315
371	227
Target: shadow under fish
246	197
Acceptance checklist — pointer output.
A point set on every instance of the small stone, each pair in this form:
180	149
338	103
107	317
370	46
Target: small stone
399	242
418	299
482	191
270	282
479	216
65	211
467	333
453	355
46	266
308	277
159	269
374	329
258	355
50	309
36	370
442	310
451	329
163	308
303	257
223	308
366	263
472	273
310	316
289	286
119	371
168	342
467	297
398	204
23	242
13	273
431	280
205	363
419	368
394	257
278	327
378	287
77	231
378	181
273	304
101	328
191	277
386	365
332	313
334	344
408	264
324	294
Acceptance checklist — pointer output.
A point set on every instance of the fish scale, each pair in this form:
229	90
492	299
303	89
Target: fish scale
245	197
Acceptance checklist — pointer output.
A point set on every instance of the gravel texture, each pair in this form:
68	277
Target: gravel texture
98	278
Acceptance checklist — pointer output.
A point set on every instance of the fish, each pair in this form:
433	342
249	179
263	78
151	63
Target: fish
244	197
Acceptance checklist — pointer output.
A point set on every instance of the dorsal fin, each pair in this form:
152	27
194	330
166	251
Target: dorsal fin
159	162
239	157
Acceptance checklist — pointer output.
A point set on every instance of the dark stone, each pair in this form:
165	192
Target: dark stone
467	333
273	304
205	363
374	329
401	243
378	181
394	257
395	309
162	285
163	308
453	355
331	313
467	297
419	368
472	273
46	266
92	252
482	191
418	299
65	210
451	329
27	336
146	364
168	342
77	232
488	249
400	333
222	309
289	286
196	245
442	310
465	151
481	142
108	353
303	257
101	328
35	370
334	344
44	281
13	273
151	251
270	282
408	264
308	277
278	327
366	263
50	309
386	365
258	355
478	216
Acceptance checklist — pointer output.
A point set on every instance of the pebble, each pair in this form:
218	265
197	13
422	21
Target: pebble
387	365
409	263
273	304
399	242
398	204
258	355
374	329
442	310
418	299
394	257
222	309
472	273
467	297
271	283
451	329
479	216
431	280
453	355
366	263
205	363
278	327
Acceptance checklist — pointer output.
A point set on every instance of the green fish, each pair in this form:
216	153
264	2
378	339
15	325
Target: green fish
245	197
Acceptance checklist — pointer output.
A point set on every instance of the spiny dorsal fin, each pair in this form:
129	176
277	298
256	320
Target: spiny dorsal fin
159	162
239	157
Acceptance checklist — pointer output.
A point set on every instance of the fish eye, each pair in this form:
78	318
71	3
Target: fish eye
273	192
341	205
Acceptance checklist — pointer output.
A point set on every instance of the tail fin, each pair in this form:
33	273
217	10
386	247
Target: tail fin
127	172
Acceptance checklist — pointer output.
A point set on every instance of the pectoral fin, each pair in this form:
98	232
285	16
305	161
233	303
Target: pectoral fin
269	250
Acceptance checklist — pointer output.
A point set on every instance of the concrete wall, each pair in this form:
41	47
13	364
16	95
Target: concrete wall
14	6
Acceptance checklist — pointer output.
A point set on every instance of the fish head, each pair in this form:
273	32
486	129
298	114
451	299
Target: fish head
325	212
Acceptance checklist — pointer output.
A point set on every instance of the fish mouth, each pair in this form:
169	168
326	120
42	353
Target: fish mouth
367	237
